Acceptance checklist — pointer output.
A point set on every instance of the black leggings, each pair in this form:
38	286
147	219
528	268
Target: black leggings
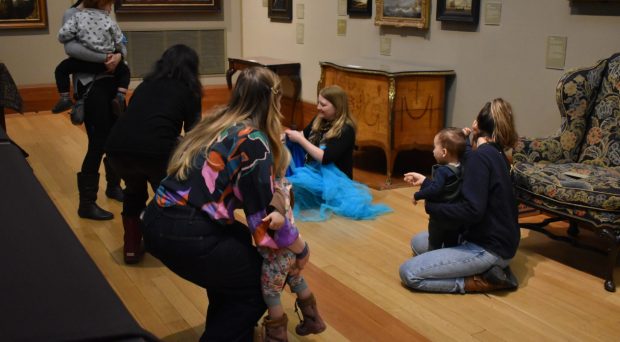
98	121
137	172
73	65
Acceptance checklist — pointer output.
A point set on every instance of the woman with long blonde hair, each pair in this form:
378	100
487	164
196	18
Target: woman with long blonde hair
228	161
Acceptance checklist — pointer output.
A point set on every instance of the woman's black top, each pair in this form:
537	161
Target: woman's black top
157	112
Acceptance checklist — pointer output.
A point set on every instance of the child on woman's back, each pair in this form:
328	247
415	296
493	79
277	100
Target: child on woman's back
280	267
88	24
449	148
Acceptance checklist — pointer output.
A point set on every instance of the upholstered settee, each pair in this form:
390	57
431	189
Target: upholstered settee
575	174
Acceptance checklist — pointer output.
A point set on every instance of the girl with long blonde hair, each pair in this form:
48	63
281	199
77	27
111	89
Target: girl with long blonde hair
324	184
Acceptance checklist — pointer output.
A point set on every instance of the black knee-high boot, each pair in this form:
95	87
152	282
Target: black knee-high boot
88	185
113	188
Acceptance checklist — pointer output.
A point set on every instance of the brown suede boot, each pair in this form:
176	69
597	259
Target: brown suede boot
492	279
312	323
275	329
132	247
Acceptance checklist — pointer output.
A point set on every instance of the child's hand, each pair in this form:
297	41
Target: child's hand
112	61
414	178
275	219
294	136
414	201
466	131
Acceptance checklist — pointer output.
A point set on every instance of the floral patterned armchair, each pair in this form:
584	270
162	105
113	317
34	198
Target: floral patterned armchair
575	175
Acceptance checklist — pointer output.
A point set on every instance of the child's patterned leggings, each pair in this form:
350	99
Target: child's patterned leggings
275	273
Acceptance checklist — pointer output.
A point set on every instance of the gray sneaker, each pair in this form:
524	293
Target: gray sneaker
62	105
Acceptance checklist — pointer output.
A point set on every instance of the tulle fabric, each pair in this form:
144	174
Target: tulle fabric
321	190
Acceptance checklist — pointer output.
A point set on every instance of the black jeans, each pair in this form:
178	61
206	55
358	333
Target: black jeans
98	121
137	172
219	258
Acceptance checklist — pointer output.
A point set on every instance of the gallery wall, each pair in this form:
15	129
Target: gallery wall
32	54
507	60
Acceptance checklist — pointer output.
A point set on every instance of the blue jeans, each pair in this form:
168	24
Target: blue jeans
443	270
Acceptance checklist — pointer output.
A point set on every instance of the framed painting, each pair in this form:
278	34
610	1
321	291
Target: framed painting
24	14
162	6
403	13
467	11
359	8
280	10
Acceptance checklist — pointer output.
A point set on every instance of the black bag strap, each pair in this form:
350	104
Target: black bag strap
90	85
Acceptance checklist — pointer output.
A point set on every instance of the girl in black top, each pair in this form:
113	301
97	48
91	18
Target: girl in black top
325	184
330	137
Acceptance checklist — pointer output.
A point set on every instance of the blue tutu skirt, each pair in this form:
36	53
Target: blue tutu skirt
321	190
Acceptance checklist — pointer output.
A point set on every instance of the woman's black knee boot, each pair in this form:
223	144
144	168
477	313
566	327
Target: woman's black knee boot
88	185
113	188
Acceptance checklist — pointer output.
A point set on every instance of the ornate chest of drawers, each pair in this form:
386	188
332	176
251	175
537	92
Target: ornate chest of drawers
396	106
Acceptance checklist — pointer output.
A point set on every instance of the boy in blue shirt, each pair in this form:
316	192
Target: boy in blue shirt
445	185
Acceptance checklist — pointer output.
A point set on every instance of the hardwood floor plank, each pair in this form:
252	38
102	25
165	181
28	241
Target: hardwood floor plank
353	269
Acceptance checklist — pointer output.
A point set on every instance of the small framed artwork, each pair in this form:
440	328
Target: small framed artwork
280	10
163	6
403	13
25	14
359	8
467	11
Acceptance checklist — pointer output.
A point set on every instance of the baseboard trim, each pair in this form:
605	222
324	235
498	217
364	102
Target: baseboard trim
42	97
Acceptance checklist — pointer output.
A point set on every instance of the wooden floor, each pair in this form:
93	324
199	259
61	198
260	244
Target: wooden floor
353	270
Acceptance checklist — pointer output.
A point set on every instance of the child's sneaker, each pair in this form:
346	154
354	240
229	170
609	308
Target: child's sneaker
118	104
62	105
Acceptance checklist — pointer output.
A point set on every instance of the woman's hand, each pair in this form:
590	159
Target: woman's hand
275	219
414	178
294	136
112	61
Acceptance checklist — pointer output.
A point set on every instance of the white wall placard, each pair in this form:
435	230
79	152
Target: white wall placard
385	46
492	13
300	33
300	11
556	52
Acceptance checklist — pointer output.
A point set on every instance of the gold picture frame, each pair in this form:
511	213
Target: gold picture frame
399	13
27	14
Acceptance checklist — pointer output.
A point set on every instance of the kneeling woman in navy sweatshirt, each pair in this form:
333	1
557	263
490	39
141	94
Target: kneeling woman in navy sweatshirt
489	210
